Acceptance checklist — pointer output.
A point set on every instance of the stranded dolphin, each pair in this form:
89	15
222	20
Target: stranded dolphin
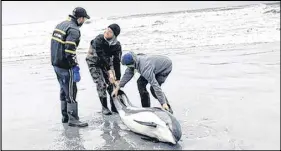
153	122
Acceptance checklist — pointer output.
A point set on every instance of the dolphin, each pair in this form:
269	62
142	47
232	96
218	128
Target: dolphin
152	122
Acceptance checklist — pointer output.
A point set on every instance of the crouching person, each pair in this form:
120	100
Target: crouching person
154	69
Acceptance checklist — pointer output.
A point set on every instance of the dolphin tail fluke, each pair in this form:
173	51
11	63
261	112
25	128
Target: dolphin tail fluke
121	101
118	104
124	99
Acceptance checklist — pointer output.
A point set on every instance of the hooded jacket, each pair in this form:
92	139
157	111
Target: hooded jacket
149	67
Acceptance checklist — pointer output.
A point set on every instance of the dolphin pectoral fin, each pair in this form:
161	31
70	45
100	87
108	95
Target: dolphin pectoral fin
152	124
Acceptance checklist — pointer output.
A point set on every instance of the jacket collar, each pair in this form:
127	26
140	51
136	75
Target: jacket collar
73	19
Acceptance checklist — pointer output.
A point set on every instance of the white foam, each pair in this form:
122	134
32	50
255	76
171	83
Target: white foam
159	32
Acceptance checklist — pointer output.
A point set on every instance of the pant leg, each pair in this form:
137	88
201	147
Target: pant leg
98	78
72	87
62	96
110	90
75	90
62	93
68	86
145	98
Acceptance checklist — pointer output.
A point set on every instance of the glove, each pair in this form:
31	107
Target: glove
76	74
165	107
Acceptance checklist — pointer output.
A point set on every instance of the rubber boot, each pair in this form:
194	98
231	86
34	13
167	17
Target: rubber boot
73	114
110	90
113	108
76	115
105	110
64	111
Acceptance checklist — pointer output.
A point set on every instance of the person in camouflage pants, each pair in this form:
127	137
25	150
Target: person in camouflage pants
103	59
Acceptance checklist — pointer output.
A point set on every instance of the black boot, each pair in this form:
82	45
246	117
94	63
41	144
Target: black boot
76	115
110	90
113	108
144	95
73	114
105	110
64	111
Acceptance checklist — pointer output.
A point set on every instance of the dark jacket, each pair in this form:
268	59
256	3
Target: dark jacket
65	40
106	56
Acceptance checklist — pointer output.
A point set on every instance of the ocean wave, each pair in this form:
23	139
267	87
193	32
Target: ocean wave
192	11
158	22
188	29
274	11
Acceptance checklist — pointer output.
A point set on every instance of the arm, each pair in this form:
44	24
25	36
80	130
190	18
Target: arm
149	75
97	45
71	43
90	51
116	62
129	74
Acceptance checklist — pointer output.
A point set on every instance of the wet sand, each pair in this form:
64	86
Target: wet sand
225	97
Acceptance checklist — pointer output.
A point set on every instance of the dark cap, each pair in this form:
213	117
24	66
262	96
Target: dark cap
115	28
80	12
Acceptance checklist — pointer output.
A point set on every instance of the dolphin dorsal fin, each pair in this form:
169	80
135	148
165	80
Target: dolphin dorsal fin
151	124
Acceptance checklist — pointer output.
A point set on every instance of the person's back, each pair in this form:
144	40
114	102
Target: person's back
158	63
59	53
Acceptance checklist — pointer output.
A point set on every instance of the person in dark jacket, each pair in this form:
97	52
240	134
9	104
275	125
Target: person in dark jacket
65	40
154	69
103	60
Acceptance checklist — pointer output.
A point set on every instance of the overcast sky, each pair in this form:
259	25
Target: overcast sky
29	11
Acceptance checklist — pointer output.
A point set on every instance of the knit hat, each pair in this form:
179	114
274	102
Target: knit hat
127	59
115	28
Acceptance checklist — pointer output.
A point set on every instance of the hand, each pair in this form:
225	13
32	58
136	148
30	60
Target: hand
115	91
165	107
117	83
76	74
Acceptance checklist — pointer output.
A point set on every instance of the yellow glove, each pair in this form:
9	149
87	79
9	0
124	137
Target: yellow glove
165	107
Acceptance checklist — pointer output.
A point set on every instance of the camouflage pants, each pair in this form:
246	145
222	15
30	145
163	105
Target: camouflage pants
100	77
